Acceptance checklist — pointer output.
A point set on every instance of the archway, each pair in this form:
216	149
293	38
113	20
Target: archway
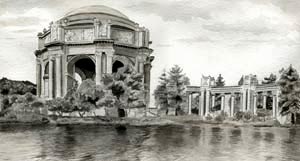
117	64
80	68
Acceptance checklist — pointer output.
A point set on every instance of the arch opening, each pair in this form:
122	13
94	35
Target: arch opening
85	68
117	64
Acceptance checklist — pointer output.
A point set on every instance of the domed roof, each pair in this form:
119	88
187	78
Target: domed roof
96	9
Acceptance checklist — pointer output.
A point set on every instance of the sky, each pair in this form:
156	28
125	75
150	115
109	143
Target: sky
204	37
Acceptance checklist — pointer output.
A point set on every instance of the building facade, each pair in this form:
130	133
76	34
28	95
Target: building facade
87	43
248	96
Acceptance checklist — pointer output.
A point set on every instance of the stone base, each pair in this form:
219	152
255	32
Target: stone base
135	112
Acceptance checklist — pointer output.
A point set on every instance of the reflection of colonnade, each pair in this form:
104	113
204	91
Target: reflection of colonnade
247	97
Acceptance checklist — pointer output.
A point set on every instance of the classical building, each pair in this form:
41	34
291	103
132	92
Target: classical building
87	43
248	96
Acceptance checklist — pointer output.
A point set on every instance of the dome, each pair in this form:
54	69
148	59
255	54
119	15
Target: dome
96	9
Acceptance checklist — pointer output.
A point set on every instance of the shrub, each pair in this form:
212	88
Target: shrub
221	117
243	115
208	117
37	104
29	97
248	115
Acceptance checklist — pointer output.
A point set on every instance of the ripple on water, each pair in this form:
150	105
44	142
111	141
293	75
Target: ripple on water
166	143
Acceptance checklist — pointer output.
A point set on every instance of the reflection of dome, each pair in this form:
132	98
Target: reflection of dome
97	9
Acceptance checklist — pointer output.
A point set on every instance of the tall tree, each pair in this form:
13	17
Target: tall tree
270	80
178	81
220	81
161	91
289	83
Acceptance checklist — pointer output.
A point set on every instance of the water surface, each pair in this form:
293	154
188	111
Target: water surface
172	143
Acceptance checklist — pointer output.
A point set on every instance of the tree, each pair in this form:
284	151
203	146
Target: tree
126	89
161	92
270	80
289	83
241	81
220	82
177	81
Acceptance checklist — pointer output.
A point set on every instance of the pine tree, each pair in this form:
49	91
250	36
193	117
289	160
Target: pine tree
270	80
289	83
178	80
220	82
161	93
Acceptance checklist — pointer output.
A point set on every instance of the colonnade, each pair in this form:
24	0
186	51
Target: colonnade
232	100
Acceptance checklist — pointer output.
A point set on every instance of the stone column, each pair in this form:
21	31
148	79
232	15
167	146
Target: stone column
248	100
38	78
51	77
244	101
213	100
199	104
274	102
264	101
65	74
147	75
277	103
58	76
202	103
109	58
254	104
136	65
42	79
232	105
222	102
207	102
98	68
190	103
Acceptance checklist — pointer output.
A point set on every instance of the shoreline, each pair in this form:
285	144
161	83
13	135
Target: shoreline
142	122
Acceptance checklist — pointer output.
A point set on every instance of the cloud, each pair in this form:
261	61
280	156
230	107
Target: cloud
172	10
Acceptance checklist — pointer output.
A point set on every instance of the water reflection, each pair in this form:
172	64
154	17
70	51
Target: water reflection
182	143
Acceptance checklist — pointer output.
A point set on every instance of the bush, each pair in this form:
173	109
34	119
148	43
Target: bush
208	117
29	97
243	115
221	117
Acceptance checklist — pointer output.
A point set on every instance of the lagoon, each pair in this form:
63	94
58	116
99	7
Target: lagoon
164	143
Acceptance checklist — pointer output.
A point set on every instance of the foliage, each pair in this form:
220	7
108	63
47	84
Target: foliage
60	105
290	92
126	86
220	81
270	80
161	91
220	117
177	83
241	81
263	113
10	87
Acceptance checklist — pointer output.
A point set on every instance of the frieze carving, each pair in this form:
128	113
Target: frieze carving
54	32
75	35
103	30
122	36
